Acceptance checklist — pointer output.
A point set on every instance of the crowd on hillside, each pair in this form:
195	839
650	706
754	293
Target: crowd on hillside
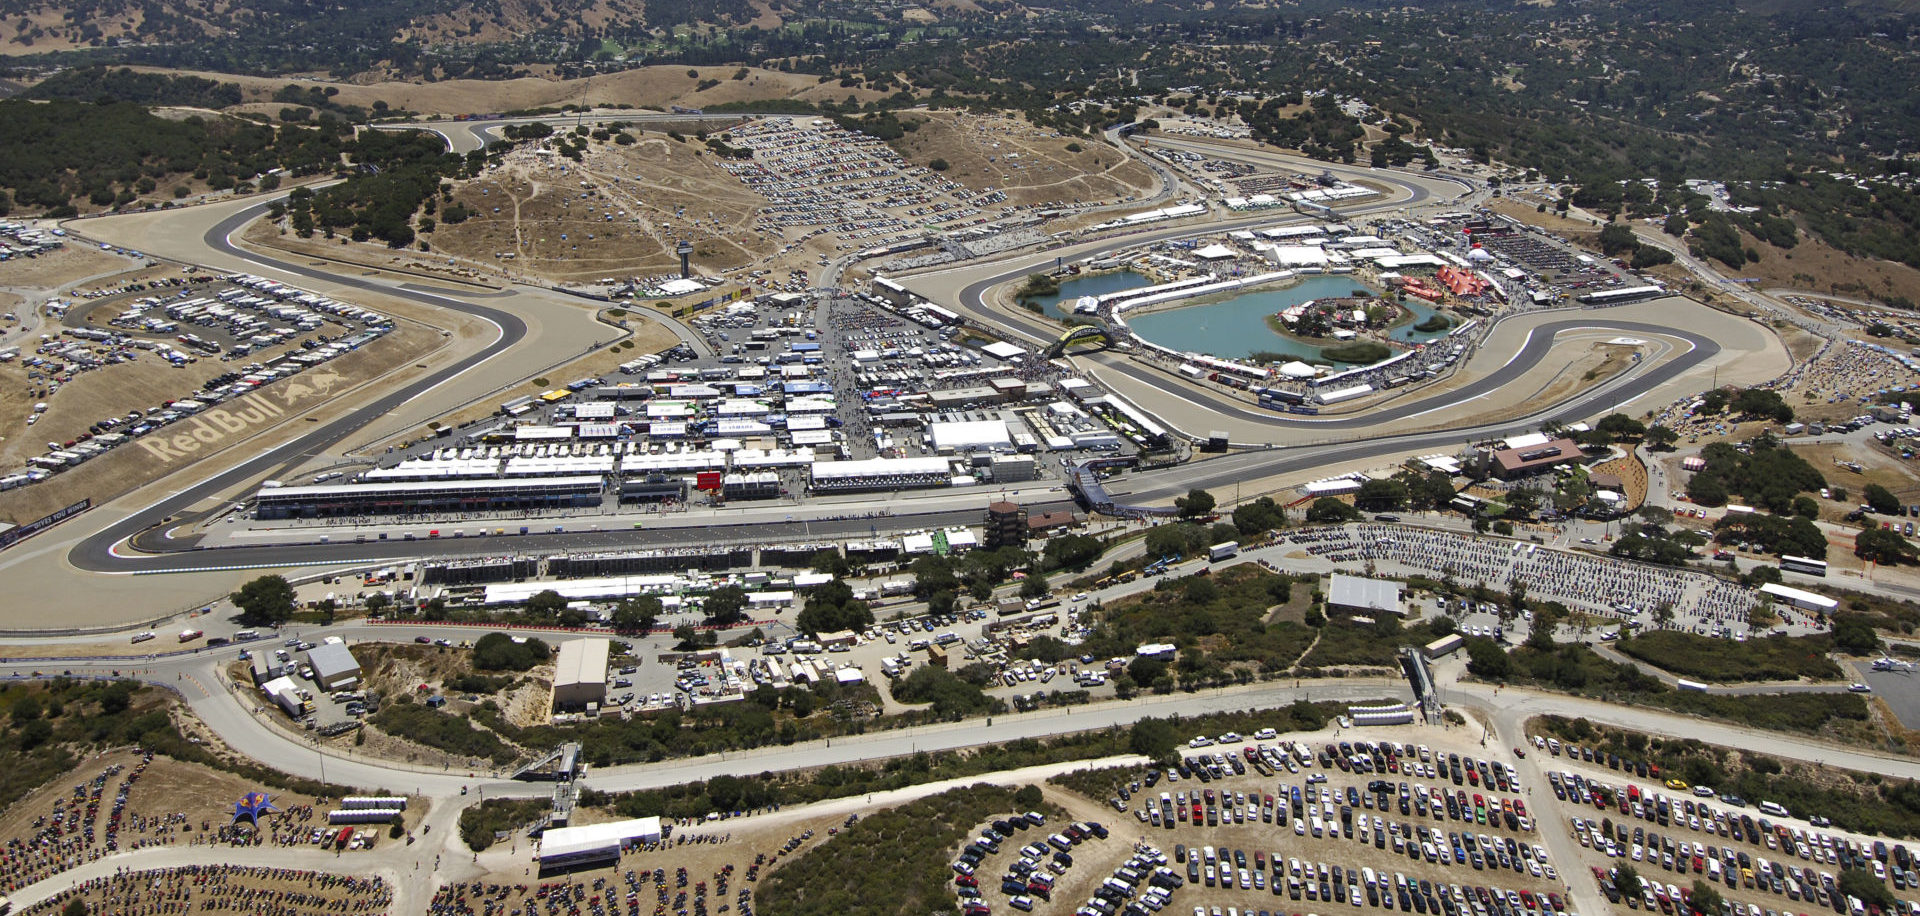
255	890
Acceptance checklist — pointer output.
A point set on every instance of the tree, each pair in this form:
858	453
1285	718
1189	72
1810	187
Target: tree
1707	490
1038	286
1027	796
1880	499
1486	659
1616	238
932	574
500	652
687	639
1381	495
75	907
1855	635
829	561
547	603
939	604
636	615
1178	539
1762	402
1884	546
1259	516
1522	501
726	604
1071	551
1196	502
1153	738
1432	490
1661	437
1621	426
1034	586
1329	509
266	601
377	603
1704	899
1145	669
1859	882
1627	880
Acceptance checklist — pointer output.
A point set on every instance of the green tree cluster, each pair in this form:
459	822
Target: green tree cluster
501	652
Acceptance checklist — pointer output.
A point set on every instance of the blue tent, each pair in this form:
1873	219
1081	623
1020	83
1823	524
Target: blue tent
251	806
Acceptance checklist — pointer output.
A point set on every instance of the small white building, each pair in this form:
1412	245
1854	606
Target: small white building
1361	595
570	846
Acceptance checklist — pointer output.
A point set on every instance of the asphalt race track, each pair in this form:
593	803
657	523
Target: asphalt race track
96	553
1538	343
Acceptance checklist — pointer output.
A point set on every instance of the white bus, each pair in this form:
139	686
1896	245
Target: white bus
1805	566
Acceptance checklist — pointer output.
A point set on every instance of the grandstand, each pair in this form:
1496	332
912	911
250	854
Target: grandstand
428	496
880	474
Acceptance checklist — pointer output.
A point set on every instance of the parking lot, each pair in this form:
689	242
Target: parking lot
1257	823
1757	855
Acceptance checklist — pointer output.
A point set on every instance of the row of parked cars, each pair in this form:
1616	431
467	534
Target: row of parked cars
1027	877
1336	885
1348	757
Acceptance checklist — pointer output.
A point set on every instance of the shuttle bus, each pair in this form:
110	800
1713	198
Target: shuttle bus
1805	566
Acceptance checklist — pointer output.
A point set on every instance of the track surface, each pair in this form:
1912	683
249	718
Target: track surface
96	553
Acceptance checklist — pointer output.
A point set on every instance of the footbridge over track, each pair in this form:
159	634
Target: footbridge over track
1091	336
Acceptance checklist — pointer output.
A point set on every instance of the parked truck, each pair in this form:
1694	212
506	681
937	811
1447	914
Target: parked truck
1219	552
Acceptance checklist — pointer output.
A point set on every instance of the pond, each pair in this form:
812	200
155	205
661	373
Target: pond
1235	327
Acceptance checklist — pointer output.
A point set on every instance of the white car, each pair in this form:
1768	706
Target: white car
1859	688
1200	741
1082	596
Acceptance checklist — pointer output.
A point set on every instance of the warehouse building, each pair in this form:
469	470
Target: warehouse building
334	667
580	675
450	496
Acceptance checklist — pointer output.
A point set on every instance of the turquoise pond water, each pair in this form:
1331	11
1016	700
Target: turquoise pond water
1234	327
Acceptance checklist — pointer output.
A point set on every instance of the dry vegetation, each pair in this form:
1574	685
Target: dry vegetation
143	383
1032	166
641	87
540	211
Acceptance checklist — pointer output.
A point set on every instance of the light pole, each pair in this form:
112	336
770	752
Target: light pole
323	762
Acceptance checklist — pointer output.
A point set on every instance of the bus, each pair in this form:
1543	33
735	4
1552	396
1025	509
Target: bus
1805	566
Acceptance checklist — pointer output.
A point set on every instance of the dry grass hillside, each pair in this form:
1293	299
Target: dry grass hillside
642	87
1029	164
